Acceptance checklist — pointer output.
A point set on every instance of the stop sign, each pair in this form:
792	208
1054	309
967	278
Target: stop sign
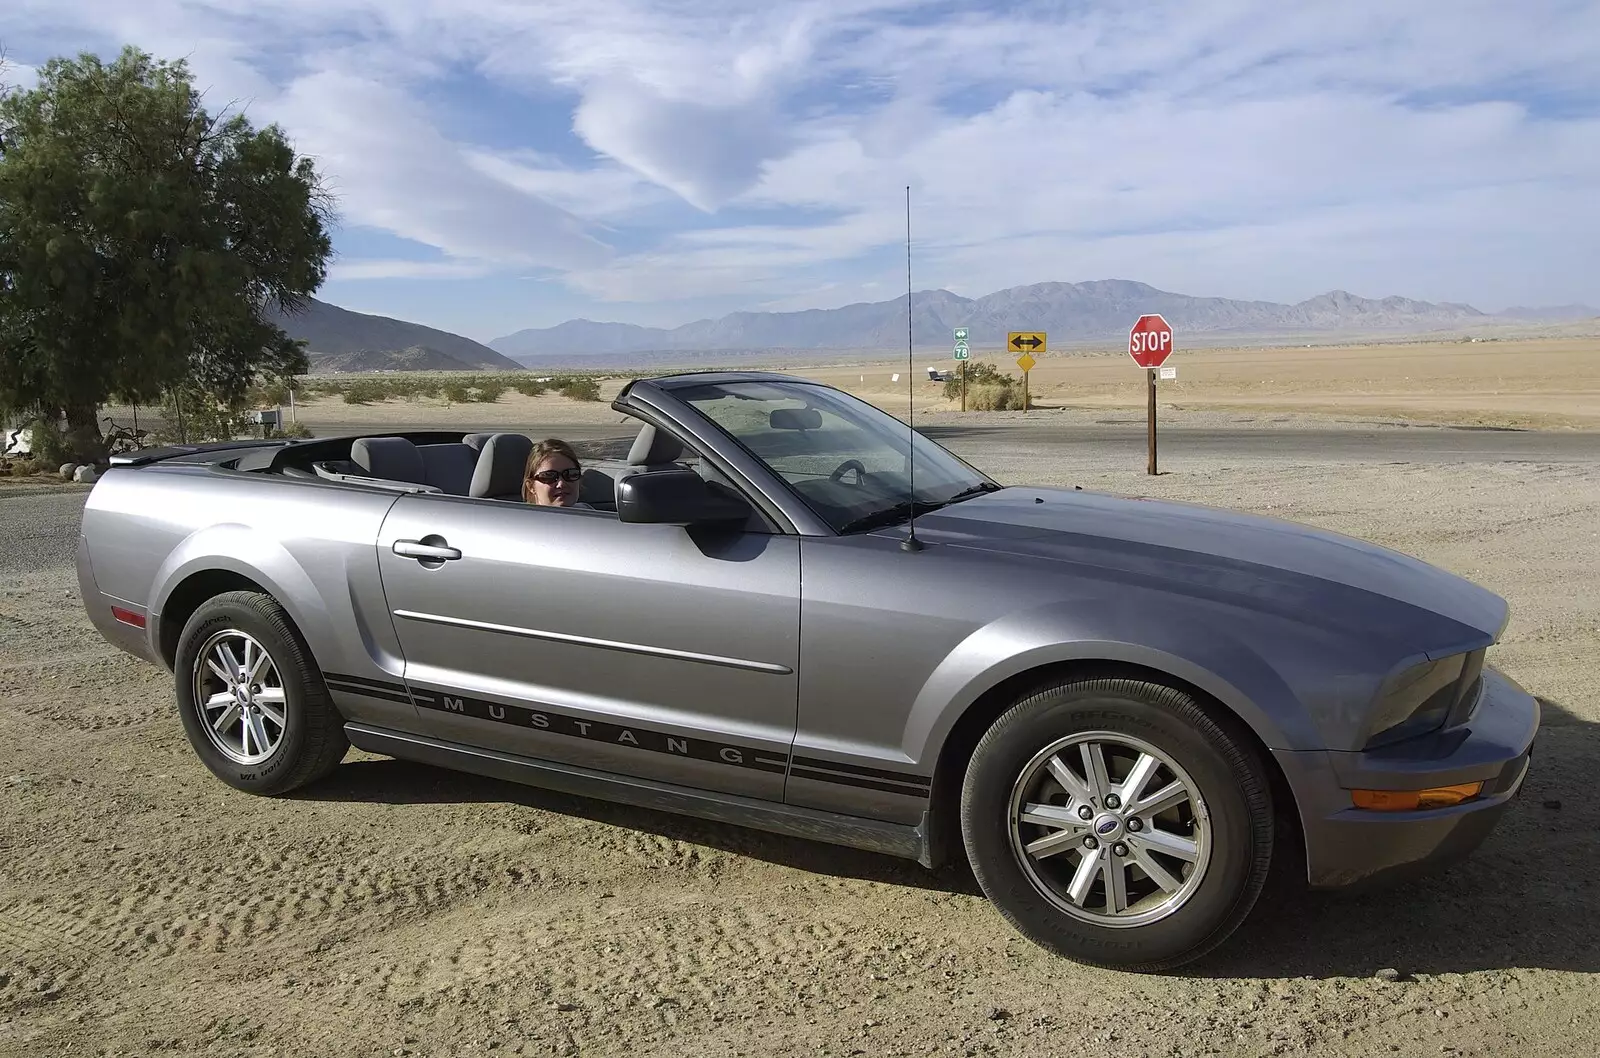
1150	340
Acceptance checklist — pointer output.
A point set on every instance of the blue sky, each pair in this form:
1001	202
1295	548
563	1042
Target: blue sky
502	164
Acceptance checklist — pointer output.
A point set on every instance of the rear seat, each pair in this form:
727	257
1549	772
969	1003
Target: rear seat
447	467
490	465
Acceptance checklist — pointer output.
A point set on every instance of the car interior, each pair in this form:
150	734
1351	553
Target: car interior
490	465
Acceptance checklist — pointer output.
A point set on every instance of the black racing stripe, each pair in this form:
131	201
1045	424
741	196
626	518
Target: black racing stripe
370	692
386	685
861	781
857	769
637	737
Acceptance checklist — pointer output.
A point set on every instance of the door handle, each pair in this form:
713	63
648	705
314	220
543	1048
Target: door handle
418	549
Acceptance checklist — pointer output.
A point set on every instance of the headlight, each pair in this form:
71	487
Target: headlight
1424	698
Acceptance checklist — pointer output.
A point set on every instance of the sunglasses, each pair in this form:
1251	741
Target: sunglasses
550	477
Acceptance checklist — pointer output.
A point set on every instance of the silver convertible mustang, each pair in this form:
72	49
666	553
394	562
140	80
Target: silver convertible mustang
785	609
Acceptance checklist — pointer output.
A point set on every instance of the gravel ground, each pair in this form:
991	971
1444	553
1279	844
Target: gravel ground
397	909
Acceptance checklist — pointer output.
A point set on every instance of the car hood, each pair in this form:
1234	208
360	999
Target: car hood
1306	574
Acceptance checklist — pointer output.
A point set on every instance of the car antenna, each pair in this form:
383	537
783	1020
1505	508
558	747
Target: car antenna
910	543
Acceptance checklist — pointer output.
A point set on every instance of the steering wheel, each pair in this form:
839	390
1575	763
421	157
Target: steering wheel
849	464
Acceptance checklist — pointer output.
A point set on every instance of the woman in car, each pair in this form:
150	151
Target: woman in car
553	475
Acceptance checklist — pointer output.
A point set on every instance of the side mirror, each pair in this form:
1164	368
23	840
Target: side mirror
677	497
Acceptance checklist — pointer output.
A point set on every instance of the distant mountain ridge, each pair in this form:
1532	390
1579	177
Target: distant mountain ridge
336	336
416	358
1096	310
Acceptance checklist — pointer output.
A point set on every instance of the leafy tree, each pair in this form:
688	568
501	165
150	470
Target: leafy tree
144	243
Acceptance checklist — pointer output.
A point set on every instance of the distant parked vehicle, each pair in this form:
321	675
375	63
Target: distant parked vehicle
1115	709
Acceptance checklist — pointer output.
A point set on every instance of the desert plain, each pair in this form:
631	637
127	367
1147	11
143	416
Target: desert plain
398	909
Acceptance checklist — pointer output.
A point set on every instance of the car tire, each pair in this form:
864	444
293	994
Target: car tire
297	735
1030	863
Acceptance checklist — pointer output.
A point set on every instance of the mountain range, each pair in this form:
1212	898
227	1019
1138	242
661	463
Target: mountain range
1067	312
338	339
341	340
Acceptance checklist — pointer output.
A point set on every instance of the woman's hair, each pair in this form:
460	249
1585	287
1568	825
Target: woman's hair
550	446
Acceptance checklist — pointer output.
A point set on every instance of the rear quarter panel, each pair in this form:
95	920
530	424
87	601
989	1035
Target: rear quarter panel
311	545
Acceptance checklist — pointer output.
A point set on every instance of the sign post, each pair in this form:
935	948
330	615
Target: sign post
1150	343
962	353
1027	343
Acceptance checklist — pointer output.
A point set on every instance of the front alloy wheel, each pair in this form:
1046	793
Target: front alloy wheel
1117	823
1110	829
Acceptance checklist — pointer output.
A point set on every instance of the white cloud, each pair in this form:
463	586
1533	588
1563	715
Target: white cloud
400	268
394	171
1443	149
17	76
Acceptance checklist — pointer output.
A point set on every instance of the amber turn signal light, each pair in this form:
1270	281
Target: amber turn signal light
1412	800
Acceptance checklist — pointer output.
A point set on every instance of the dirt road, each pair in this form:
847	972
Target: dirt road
395	909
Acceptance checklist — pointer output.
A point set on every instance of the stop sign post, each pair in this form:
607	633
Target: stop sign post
1150	343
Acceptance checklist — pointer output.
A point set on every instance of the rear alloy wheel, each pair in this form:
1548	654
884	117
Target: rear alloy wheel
253	705
1116	823
241	697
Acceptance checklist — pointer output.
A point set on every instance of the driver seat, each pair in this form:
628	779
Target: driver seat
654	450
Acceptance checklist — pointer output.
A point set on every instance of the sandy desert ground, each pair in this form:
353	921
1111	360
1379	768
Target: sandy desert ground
1539	383
396	909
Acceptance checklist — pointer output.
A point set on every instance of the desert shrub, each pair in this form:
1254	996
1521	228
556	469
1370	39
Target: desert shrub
51	446
365	391
489	392
580	388
994	398
987	389
978	374
530	387
290	429
456	392
400	387
190	415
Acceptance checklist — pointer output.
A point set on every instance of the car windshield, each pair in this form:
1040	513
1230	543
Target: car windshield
848	460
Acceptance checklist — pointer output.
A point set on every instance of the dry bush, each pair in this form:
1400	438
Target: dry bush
580	388
365	391
994	398
489	392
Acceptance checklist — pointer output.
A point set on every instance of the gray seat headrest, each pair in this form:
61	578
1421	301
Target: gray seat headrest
653	447
475	441
390	458
449	466
500	466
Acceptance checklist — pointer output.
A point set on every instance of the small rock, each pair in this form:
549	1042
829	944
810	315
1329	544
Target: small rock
85	474
67	470
1553	803
566	1006
1441	1013
1388	973
998	1014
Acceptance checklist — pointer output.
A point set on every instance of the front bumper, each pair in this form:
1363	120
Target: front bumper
1346	846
